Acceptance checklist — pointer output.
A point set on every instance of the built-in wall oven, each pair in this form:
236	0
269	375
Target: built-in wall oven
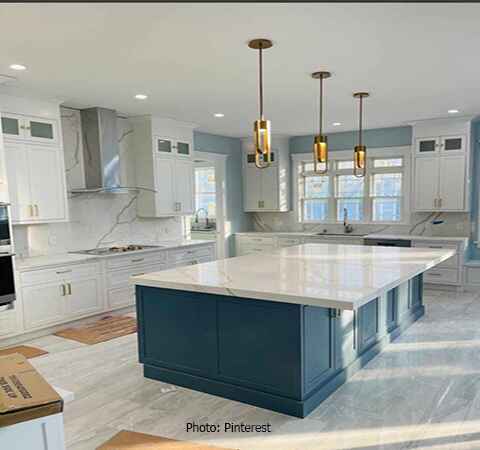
7	279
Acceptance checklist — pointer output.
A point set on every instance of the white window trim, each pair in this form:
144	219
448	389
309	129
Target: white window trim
404	152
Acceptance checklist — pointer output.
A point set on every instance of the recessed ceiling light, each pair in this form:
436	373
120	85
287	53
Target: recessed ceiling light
336	124
219	115
18	67
453	111
141	97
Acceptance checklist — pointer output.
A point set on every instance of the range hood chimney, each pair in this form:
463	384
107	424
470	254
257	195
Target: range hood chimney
101	152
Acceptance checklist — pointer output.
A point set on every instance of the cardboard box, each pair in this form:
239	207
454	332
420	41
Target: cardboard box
24	393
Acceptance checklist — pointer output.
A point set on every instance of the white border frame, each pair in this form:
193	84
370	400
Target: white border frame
404	152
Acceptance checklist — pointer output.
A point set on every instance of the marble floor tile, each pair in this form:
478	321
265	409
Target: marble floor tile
422	392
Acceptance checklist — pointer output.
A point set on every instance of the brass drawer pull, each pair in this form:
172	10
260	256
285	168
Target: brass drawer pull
138	260
59	272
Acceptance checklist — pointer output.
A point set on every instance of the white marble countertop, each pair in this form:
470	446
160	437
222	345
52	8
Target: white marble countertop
329	275
38	262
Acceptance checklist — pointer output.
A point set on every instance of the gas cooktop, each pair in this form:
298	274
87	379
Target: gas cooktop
103	251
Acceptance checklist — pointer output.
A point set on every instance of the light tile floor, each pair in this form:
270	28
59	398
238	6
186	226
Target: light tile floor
422	392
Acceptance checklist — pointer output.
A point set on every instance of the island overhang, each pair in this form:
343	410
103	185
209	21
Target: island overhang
325	275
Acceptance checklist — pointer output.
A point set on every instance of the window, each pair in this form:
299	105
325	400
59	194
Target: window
379	197
205	190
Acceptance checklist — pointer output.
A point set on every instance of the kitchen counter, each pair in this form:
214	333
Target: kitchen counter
281	330
412	237
328	275
39	262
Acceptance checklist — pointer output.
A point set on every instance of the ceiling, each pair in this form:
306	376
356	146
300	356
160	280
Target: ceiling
417	60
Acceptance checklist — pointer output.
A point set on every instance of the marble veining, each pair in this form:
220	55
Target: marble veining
330	275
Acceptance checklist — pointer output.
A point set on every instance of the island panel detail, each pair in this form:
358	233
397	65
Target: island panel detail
280	356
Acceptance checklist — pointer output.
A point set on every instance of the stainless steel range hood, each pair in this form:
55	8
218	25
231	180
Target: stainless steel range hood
101	152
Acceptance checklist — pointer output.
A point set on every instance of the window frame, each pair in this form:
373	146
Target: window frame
198	193
404	152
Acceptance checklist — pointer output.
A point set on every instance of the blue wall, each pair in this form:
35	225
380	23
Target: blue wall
378	137
239	221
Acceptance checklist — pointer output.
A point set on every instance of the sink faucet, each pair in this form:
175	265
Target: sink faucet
347	228
197	212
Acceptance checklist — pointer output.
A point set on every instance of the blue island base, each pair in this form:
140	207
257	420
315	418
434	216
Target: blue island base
279	356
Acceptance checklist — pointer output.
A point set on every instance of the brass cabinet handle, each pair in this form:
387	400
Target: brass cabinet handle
69	286
63	290
36	211
138	274
435	274
137	260
440	201
30	210
59	272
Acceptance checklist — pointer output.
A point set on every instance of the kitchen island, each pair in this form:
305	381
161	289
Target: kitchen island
282	330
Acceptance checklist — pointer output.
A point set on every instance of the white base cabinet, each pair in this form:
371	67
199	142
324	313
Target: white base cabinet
64	293
52	296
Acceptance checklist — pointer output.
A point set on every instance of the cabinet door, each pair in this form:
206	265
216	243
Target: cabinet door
163	145
252	189
83	297
184	148
41	130
164	176
12	126
367	325
426	183
452	183
427	146
43	304
451	145
17	169
269	188
184	186
46	183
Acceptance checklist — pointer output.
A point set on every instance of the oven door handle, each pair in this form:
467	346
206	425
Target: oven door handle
7	254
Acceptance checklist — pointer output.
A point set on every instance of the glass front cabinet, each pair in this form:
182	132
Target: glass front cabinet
447	145
31	129
168	146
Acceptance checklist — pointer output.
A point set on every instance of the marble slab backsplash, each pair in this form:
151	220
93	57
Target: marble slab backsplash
454	224
96	220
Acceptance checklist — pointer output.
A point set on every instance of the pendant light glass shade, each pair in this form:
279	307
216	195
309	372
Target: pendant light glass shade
261	127
360	150
320	142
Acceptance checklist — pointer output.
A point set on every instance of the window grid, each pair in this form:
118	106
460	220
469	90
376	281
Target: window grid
368	201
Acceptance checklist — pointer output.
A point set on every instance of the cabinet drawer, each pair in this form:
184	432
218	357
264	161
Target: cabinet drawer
451	263
59	274
441	276
193	262
176	256
288	242
121	278
118	262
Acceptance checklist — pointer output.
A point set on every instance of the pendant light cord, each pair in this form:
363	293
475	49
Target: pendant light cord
260	61
360	120
321	107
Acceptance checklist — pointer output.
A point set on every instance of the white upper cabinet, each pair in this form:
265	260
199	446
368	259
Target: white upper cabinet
32	129
36	183
442	168
164	167
266	189
34	160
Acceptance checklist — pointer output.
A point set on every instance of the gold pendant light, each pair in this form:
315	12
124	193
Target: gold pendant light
320	144
261	127
360	150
